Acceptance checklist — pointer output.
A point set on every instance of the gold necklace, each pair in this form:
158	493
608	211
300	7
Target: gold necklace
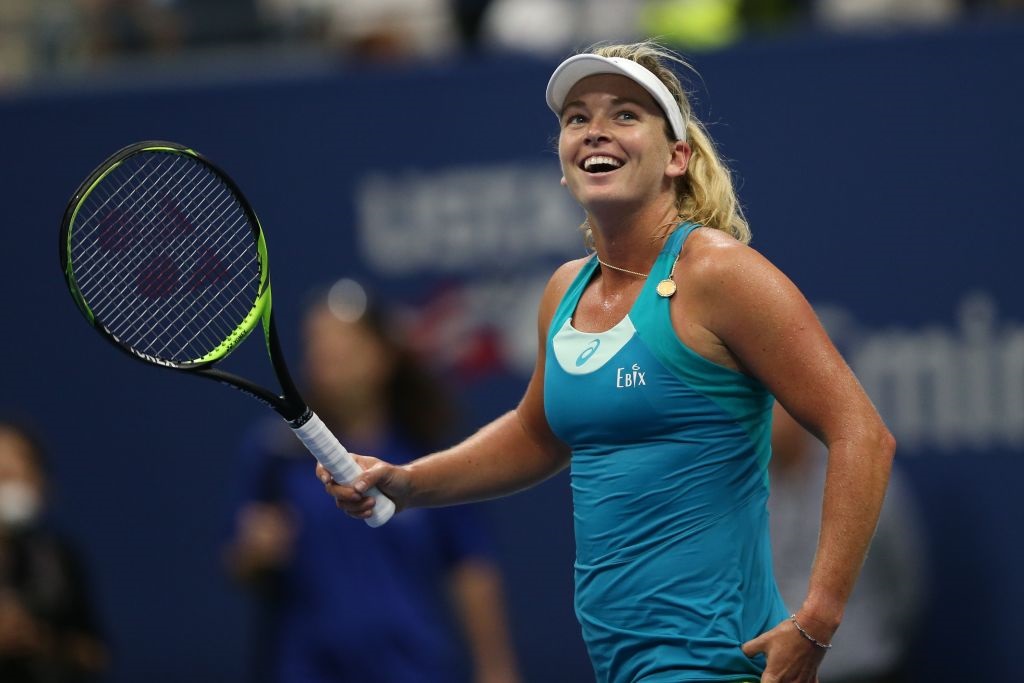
642	276
665	288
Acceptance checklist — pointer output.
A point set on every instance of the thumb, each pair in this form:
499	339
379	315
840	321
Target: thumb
378	474
753	647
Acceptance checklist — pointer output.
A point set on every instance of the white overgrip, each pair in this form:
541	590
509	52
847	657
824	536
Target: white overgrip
342	466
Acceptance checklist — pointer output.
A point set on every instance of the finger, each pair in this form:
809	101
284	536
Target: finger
322	474
376	476
360	509
343	493
753	647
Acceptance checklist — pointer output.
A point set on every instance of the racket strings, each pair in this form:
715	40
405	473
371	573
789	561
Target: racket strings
146	326
115	217
219	331
165	256
152	320
141	228
147	314
108	280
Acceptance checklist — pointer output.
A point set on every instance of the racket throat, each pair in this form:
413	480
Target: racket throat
301	420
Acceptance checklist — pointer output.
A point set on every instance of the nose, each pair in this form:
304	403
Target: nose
596	131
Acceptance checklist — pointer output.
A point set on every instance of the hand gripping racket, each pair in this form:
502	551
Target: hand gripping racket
167	260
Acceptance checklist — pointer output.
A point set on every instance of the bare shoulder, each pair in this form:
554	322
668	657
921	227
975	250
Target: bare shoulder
564	274
560	281
555	290
711	258
706	306
733	296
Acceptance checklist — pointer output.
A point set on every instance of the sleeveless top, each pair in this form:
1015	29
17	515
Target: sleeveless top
669	481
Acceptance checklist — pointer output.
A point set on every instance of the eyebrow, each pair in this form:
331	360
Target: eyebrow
616	101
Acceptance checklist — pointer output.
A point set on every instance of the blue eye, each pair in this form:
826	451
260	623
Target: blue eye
575	118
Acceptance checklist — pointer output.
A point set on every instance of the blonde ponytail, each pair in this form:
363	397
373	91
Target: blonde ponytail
705	194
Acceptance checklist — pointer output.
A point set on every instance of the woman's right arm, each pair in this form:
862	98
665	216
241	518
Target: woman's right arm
514	452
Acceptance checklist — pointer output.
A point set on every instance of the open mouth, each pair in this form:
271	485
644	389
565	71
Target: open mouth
600	164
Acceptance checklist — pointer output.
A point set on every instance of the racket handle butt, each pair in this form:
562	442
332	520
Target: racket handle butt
315	435
383	509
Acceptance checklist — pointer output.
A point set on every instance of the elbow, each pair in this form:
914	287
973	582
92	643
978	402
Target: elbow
886	444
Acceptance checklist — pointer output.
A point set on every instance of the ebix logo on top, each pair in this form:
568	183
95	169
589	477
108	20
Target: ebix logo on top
626	379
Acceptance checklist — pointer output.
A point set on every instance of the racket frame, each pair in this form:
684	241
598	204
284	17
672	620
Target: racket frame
289	404
309	429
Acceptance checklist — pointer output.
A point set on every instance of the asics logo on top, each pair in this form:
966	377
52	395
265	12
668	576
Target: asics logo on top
587	352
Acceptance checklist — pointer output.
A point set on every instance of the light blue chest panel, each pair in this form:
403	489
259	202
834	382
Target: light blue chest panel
673	565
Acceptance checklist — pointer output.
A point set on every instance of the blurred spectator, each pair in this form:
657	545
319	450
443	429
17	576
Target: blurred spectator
469	16
40	36
35	36
549	27
374	30
552	26
115	28
16	45
221	23
762	16
878	627
432	570
700	25
853	15
694	24
48	633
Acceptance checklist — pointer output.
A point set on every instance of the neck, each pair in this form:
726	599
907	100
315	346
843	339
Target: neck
632	242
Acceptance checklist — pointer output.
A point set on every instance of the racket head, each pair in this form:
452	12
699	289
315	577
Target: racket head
165	257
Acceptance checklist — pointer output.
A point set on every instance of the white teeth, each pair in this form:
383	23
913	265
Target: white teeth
590	162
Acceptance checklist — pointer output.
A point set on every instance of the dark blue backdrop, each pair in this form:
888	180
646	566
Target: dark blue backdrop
878	173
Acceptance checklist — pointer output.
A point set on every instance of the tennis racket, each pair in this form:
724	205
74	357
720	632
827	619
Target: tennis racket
167	260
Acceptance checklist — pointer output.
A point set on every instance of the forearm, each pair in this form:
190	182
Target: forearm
481	607
501	458
858	473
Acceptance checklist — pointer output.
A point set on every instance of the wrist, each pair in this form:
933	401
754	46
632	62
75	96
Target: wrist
415	486
814	640
820	616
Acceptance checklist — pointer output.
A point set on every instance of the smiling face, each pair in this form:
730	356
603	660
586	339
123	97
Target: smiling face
613	144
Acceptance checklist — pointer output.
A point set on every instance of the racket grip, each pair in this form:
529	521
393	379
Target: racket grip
342	466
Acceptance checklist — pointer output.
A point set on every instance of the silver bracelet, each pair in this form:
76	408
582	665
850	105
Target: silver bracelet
808	636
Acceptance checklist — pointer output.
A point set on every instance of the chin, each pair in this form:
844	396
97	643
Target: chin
592	200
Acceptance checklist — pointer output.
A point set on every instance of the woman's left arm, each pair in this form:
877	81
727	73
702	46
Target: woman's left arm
767	326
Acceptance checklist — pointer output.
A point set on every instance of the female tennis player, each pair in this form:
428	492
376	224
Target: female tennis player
659	356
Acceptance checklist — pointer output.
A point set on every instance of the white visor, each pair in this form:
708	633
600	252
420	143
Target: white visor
573	70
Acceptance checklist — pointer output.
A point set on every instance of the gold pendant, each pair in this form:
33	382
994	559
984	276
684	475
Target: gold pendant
666	288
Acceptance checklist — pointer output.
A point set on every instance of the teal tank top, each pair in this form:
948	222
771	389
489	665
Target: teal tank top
669	481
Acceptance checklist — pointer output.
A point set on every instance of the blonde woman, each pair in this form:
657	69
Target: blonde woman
659	357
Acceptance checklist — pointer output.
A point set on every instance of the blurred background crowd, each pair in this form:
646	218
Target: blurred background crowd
41	38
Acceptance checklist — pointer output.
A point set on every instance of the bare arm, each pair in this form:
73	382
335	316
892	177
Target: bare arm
512	453
480	605
771	331
515	451
264	536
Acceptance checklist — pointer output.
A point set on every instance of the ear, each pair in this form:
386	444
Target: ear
564	182
679	159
